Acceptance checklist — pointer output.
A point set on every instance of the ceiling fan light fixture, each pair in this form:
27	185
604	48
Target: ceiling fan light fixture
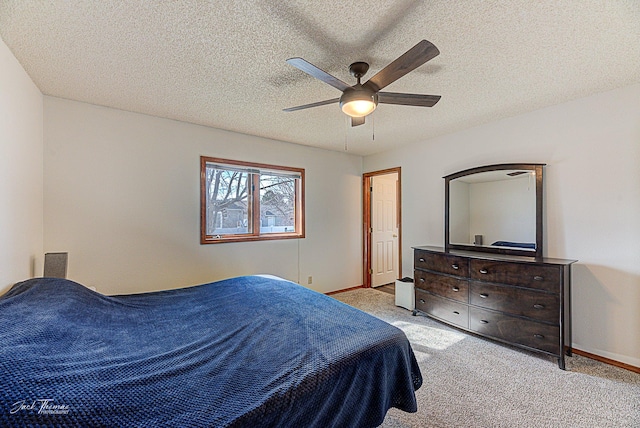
358	103
362	99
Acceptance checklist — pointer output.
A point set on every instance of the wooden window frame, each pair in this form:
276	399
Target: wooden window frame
254	205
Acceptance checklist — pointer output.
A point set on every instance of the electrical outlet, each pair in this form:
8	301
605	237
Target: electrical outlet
310	280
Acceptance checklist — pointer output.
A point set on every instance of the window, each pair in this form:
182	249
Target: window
241	201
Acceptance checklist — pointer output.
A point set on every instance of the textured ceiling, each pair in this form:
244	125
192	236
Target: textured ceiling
222	63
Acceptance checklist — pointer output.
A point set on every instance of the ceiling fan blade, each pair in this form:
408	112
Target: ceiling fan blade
319	103
409	61
408	99
357	121
314	71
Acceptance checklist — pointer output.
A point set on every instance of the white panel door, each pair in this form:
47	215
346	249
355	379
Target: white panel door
384	239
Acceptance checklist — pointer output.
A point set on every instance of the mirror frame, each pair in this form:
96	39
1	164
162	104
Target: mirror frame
538	168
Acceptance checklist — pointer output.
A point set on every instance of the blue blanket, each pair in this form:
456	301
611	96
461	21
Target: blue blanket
514	244
244	352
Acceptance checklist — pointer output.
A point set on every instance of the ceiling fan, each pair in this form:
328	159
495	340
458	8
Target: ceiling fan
360	100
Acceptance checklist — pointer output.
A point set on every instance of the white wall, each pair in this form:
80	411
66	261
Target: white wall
503	210
592	202
20	173
122	197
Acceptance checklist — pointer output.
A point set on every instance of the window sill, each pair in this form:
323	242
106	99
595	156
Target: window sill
268	237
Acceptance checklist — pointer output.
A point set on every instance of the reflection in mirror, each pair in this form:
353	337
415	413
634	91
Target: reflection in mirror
494	208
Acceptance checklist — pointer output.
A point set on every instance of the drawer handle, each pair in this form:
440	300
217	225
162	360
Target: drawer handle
456	289
484	321
456	312
484	295
484	271
421	279
421	300
538	278
456	267
538	336
421	260
538	306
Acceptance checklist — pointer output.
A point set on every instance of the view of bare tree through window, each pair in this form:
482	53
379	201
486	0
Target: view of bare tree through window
277	204
240	199
227	201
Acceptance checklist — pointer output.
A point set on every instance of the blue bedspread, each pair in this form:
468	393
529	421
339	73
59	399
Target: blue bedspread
244	352
529	245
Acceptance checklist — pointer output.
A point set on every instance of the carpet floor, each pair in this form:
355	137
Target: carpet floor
473	382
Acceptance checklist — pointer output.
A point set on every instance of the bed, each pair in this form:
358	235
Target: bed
250	351
528	245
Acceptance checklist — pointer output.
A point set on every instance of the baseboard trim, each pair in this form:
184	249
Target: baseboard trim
606	360
343	290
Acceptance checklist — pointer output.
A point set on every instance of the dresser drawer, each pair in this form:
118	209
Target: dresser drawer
445	263
515	330
446	310
516	301
542	277
442	285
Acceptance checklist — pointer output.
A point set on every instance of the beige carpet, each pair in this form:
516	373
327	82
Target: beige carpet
472	382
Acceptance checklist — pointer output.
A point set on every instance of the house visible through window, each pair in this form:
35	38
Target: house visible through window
243	201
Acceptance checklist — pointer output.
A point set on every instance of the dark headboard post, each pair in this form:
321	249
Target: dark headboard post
55	265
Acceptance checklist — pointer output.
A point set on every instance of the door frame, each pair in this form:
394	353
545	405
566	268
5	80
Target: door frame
366	222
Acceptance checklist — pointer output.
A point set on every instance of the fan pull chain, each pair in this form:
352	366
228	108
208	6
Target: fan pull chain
373	129
346	132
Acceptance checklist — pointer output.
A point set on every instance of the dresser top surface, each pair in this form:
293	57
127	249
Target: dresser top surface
499	257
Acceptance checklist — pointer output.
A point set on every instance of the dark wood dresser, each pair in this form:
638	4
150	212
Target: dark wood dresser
522	301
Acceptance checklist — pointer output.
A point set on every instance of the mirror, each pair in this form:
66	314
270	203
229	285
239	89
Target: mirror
495	209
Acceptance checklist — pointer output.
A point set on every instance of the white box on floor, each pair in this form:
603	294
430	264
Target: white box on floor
405	297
